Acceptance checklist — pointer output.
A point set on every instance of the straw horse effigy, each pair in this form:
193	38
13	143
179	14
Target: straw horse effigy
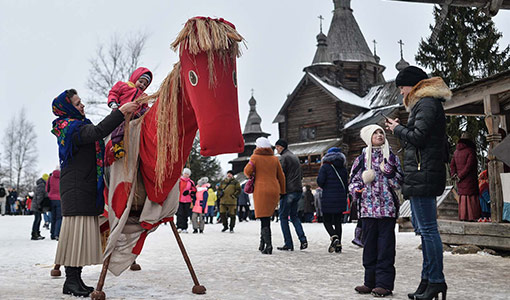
199	93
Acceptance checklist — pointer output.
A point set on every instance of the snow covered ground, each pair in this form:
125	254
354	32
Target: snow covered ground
231	267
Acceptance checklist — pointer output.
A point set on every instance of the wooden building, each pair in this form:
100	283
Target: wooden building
340	92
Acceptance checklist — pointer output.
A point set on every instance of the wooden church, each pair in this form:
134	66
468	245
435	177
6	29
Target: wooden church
340	92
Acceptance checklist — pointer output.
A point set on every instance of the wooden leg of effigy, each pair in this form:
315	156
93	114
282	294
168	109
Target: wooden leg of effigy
197	288
55	272
98	293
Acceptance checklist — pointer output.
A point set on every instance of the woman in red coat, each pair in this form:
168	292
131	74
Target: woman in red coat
463	167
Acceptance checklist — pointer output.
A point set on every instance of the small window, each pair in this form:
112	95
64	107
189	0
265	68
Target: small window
310	110
307	134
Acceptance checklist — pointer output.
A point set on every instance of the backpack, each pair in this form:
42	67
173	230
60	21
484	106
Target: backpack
2	192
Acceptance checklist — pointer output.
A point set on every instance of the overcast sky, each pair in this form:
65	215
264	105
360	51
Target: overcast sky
46	46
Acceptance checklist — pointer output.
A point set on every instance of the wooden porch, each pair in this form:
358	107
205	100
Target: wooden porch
488	97
490	235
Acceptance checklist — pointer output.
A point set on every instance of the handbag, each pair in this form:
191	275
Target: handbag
249	187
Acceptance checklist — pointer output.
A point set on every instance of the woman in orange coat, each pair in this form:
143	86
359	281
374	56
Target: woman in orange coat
269	185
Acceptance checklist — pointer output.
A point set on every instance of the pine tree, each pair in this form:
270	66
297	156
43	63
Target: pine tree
466	49
202	166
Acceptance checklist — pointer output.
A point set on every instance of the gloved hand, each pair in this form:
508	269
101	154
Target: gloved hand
185	193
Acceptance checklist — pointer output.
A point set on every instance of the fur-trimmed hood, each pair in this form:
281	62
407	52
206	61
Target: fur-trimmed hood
433	87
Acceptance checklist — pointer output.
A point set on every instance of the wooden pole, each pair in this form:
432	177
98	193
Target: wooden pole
197	288
98	294
495	167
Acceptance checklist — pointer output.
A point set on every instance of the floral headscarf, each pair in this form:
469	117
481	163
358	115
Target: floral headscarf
69	120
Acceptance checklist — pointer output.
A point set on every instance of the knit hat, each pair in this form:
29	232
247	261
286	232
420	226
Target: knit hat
410	76
366	135
282	143
334	150
45	177
262	142
186	171
146	76
202	181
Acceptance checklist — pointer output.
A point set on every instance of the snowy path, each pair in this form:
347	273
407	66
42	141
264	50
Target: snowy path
231	267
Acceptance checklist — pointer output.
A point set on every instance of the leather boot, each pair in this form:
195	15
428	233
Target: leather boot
85	287
421	288
266	234
432	291
36	236
72	285
232	222
357	238
224	220
262	244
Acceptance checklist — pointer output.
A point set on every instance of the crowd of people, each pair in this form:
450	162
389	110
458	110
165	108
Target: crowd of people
274	190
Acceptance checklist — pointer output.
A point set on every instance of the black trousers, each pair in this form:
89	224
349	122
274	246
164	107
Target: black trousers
379	252
244	211
333	224
183	212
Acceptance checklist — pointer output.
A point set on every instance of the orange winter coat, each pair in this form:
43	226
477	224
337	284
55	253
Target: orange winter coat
269	181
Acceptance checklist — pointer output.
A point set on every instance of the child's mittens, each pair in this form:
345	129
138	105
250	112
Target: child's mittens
387	168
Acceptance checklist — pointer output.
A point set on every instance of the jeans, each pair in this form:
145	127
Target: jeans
288	208
37	222
47	216
56	218
424	210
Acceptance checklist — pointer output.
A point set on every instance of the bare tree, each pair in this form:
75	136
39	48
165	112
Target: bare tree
20	151
112	63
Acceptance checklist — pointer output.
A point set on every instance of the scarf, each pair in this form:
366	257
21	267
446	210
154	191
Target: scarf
69	120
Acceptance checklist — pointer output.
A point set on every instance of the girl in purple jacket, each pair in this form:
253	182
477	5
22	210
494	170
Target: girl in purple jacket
375	176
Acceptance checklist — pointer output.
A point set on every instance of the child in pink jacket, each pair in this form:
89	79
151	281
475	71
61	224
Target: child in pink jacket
124	92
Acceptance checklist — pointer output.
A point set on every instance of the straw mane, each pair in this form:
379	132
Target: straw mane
214	37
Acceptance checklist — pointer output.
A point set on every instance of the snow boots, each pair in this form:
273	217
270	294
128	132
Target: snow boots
357	237
335	241
74	285
36	235
266	235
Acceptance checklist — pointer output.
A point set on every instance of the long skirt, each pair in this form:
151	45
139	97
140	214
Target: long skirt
79	243
469	208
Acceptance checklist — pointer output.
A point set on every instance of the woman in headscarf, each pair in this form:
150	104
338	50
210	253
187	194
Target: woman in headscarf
81	153
269	185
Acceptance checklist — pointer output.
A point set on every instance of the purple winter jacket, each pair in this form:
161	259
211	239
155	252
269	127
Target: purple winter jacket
377	199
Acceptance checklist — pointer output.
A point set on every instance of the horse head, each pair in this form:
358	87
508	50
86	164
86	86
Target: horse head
200	93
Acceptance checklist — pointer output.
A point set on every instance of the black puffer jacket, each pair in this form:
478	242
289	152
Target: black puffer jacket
292	170
78	182
424	139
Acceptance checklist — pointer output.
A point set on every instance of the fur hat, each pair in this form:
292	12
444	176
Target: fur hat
262	142
466	135
410	76
366	135
186	171
202	181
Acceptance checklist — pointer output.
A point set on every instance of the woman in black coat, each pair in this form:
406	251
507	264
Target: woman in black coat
424	140
332	179
81	153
